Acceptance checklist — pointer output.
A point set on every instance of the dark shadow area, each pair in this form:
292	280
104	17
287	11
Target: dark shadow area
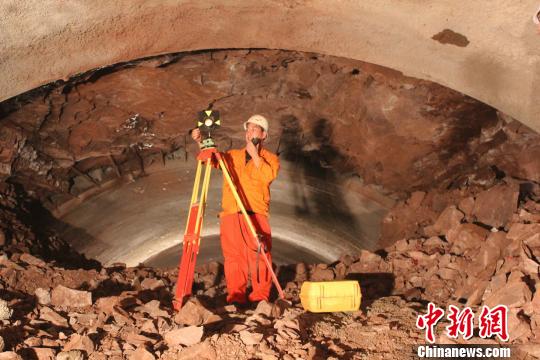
108	287
43	239
373	286
315	158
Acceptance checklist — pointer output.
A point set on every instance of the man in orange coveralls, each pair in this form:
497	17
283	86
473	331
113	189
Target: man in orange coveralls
252	169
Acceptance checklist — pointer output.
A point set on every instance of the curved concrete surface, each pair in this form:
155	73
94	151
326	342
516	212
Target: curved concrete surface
143	221
488	50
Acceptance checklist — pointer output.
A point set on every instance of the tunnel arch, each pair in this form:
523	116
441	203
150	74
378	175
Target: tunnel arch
490	53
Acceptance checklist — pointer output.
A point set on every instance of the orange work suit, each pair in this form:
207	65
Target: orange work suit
242	257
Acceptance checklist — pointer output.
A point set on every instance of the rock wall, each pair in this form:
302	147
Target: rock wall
401	133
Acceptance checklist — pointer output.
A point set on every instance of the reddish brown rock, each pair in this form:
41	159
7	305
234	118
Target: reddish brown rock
448	219
523	232
65	297
518	326
250	338
71	355
32	260
50	315
9	355
514	294
141	354
43	296
319	274
466	237
264	308
496	205
151	284
466	205
107	304
80	342
152	308
137	339
194	313
187	336
45	353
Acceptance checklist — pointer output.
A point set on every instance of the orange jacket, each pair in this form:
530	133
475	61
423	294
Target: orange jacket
252	183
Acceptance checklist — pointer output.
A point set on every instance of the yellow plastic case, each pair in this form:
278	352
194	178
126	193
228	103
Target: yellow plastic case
330	296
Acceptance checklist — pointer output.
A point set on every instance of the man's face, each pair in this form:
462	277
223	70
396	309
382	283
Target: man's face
254	131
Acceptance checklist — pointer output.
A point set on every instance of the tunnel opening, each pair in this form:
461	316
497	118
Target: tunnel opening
410	187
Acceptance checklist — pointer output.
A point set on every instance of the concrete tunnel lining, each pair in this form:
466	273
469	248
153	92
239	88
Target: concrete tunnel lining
145	220
499	66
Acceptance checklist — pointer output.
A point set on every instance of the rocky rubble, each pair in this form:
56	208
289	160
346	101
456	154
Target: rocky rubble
482	249
468	255
114	314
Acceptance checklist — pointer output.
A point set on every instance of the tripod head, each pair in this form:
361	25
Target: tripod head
208	121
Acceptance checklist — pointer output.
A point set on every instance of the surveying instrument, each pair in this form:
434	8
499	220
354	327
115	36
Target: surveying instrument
208	121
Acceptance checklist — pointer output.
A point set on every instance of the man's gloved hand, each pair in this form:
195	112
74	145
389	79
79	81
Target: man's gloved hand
196	135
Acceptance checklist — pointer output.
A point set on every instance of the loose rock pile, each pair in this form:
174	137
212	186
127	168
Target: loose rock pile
116	313
472	246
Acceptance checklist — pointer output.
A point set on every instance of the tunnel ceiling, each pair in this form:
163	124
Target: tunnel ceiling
488	51
353	118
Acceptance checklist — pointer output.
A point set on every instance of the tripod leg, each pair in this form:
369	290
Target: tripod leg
198	225
192	237
249	223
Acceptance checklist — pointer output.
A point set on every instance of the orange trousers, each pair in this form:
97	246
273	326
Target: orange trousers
243	259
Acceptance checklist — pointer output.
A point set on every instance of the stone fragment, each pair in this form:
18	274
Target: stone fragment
233	327
45	353
80	342
71	355
62	296
186	336
5	311
151	284
32	260
496	205
264	308
466	237
194	313
518	327
250	338
514	294
449	218
107	304
33	341
137	339
416	199
466	205
141	353
43	296
279	307
10	355
53	317
319	274
152	308
523	232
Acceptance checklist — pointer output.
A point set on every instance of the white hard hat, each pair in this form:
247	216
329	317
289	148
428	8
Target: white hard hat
258	120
